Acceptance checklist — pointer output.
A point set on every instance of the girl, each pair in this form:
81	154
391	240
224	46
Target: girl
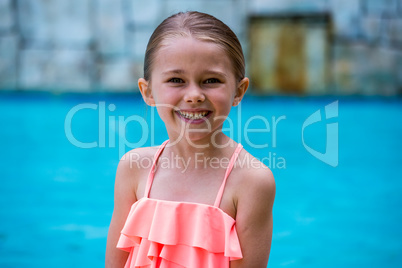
205	201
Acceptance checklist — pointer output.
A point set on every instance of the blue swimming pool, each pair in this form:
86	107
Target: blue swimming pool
58	156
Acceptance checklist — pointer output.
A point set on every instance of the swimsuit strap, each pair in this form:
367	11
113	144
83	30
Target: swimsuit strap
228	170
152	172
221	189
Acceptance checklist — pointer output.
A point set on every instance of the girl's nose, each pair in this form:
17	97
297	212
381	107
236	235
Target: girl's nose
194	94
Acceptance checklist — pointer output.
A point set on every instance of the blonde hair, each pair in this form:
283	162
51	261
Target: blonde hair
202	27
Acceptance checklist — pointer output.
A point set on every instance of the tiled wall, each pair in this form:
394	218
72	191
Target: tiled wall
98	45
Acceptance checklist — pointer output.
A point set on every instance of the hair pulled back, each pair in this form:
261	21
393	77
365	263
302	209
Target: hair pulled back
202	27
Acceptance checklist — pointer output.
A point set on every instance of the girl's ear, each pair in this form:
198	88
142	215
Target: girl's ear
241	90
146	91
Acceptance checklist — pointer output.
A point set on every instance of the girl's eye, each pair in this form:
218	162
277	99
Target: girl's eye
212	81
176	80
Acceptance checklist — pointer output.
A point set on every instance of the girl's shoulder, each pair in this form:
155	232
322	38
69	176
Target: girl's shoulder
138	159
247	163
134	167
140	151
252	177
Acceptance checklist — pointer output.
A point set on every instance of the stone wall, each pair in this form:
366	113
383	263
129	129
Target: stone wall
99	45
367	48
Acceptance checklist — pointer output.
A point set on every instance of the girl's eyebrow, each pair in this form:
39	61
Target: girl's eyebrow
180	71
177	71
215	73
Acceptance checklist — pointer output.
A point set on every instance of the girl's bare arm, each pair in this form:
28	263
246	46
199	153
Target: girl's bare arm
254	218
124	198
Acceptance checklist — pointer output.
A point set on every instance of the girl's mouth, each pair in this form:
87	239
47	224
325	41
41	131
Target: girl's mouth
194	117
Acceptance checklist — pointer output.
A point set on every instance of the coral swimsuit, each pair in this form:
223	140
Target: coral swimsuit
171	234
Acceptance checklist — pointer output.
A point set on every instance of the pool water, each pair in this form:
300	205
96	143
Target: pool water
59	153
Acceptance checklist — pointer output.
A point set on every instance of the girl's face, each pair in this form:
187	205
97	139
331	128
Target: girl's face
193	87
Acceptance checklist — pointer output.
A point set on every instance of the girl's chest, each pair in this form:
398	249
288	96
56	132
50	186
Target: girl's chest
200	187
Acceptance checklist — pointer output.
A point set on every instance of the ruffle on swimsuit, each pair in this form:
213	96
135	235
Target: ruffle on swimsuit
170	234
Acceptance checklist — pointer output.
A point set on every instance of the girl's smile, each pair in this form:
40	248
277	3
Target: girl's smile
194	116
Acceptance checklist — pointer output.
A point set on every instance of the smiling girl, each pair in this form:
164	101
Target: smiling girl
197	212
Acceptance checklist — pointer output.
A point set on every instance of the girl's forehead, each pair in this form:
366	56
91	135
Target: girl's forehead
183	43
190	49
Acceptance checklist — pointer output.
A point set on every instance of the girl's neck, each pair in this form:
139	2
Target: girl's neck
210	146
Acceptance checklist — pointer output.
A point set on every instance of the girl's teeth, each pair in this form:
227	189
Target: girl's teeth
193	115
